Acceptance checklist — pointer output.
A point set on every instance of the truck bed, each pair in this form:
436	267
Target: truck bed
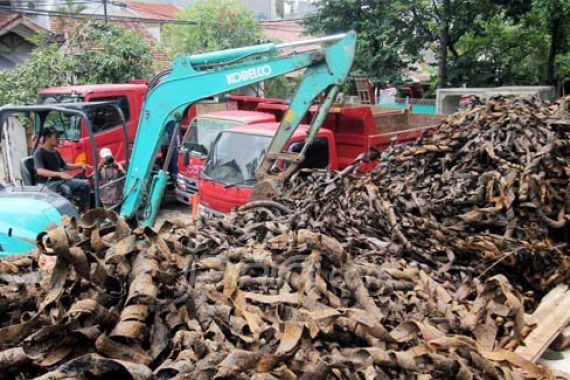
402	120
360	128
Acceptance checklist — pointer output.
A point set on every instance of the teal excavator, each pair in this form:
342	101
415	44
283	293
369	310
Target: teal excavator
196	77
191	79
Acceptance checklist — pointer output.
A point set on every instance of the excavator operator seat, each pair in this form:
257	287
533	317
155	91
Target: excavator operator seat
27	171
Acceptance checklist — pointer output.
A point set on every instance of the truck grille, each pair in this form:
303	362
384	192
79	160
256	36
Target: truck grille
185	189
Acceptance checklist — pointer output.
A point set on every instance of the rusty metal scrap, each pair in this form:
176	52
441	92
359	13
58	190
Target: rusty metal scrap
487	193
423	268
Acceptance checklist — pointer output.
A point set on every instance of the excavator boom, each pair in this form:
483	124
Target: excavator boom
196	77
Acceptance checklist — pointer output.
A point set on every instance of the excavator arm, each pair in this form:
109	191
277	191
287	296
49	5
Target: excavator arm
196	77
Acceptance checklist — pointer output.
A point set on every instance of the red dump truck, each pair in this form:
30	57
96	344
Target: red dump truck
229	173
244	111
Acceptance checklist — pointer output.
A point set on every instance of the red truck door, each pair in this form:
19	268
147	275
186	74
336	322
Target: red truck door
319	155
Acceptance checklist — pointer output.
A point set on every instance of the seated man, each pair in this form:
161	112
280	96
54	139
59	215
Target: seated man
49	165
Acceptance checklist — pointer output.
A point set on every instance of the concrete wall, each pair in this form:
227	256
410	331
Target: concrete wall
447	100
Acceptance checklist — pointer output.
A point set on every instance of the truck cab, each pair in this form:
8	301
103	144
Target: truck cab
197	141
107	127
229	172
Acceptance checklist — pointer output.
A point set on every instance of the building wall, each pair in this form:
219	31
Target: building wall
301	8
263	9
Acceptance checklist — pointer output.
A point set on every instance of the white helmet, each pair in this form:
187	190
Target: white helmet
105	152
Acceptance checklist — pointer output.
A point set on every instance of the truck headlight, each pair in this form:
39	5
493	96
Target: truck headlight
180	182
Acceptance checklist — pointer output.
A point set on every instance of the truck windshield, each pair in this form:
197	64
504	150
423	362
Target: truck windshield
68	126
203	132
235	158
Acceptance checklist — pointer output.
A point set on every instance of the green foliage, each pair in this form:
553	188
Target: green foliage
96	53
381	52
524	46
218	24
281	87
563	66
107	54
69	7
501	52
486	42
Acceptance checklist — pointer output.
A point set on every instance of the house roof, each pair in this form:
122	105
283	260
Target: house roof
282	31
7	18
153	10
9	21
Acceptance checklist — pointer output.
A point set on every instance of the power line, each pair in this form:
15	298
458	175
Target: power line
48	12
49	3
26	11
285	19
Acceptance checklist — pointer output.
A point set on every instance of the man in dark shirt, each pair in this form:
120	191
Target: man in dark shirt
51	168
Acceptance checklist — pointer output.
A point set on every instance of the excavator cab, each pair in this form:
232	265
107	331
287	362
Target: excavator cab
27	208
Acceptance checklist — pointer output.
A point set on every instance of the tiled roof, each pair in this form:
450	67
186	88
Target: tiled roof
9	20
6	18
153	10
282	31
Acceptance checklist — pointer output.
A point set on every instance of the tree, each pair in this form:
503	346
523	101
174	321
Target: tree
216	25
520	45
445	23
502	51
477	42
103	53
71	8
554	14
381	53
96	53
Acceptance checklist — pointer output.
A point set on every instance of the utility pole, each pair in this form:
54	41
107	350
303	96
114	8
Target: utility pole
105	11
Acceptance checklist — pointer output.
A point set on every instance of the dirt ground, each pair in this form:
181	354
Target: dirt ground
172	209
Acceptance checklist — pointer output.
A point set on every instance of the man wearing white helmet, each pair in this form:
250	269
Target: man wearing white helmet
109	171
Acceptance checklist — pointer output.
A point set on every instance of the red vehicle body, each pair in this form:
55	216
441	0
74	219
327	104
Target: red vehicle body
191	162
244	111
348	131
108	130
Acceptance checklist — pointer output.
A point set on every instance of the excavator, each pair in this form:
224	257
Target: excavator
200	76
191	79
